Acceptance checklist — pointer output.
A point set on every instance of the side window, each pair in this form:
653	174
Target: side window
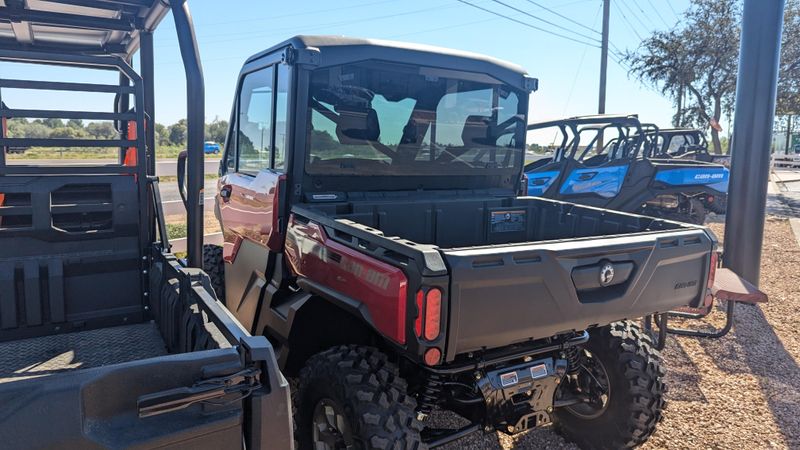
254	121
281	114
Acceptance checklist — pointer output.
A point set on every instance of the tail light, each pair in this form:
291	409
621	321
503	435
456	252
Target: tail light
418	321
712	270
432	356
429	318
433	313
428	324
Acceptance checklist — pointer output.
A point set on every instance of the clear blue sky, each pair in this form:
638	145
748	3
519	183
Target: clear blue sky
230	31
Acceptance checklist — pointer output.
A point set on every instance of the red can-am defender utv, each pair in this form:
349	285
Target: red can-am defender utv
373	234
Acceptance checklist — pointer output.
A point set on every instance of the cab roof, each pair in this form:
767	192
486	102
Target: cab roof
78	26
341	49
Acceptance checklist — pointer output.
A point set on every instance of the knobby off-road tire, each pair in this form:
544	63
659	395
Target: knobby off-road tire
214	266
636	396
719	205
367	394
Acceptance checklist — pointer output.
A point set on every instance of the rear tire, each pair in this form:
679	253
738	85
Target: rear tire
214	266
635	398
353	397
719	205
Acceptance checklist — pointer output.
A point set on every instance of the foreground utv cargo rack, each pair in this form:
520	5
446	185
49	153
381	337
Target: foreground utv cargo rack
84	256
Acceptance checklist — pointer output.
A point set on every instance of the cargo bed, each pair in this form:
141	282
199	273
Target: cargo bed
56	354
524	268
458	219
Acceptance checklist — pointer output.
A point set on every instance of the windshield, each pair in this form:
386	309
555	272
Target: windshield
387	119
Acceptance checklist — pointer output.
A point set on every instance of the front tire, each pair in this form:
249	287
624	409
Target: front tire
353	397
634	401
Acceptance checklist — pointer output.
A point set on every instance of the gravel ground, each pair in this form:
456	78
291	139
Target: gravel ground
738	392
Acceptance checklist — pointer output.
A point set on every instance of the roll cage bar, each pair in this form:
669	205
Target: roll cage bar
105	35
628	126
668	134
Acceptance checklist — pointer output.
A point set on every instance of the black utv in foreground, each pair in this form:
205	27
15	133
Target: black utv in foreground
107	340
373	232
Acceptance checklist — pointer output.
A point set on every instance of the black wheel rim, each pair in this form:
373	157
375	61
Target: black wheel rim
593	381
329	427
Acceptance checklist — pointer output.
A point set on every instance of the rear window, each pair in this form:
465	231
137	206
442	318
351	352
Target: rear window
375	118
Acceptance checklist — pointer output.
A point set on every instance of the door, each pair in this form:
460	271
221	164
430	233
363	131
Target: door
247	193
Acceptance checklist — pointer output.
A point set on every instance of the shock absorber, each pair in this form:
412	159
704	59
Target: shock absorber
428	395
573	357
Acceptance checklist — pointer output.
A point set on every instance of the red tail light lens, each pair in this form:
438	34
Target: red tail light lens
433	313
432	356
712	269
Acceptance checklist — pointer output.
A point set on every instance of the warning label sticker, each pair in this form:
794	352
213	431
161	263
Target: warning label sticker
508	221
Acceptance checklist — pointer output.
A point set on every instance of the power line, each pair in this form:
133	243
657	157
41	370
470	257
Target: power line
527	24
248	35
637	6
634	16
630	25
431	30
658	13
568	19
543	20
672	8
315	11
282	16
580	67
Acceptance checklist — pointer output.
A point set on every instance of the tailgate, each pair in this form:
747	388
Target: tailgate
501	295
97	408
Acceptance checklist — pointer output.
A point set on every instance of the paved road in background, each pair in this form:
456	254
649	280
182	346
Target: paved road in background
171	199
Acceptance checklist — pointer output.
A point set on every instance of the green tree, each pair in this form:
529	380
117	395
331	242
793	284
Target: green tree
788	104
177	133
217	131
162	135
101	130
53	123
697	59
65	132
75	123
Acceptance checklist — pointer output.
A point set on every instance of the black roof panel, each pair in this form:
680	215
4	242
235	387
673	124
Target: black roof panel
80	26
334	50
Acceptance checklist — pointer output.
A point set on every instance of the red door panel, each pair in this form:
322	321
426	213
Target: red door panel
247	212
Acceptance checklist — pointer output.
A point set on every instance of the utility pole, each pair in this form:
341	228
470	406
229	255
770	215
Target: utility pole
601	107
756	90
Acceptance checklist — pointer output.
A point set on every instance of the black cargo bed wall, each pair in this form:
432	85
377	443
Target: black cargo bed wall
453	220
69	254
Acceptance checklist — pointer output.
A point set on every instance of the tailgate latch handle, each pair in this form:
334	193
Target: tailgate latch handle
243	382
